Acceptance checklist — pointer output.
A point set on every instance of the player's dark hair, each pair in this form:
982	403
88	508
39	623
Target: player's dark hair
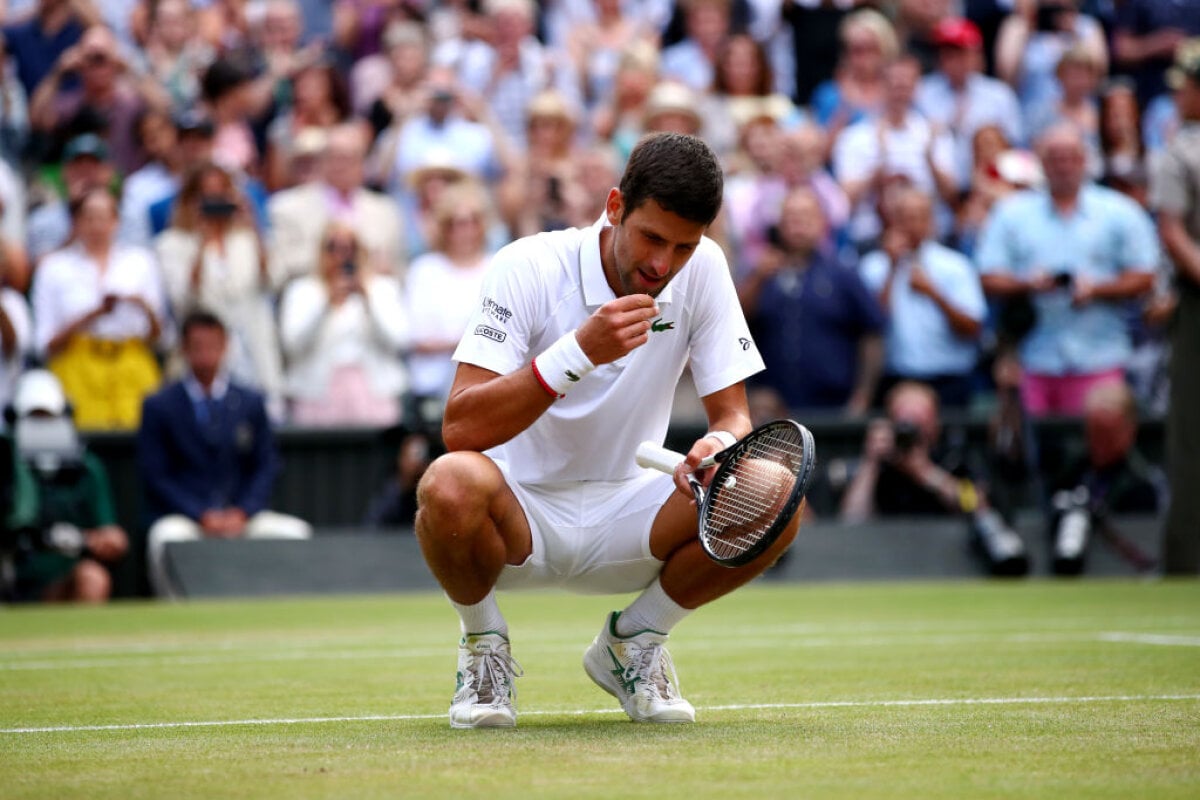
677	171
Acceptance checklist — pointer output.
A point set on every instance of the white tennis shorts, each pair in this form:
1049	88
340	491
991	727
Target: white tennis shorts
591	537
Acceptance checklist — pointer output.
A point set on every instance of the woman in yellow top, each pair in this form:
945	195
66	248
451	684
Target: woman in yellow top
99	310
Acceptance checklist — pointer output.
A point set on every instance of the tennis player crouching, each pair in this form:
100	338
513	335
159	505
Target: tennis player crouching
572	360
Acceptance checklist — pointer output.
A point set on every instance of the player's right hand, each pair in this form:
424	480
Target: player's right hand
617	328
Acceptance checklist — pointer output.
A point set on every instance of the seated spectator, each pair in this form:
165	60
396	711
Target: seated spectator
817	326
900	144
959	98
300	215
207	456
1120	130
753	199
998	171
934	303
342	330
212	258
14	110
1078	79
174	56
510	66
743	88
906	469
428	182
672	107
1146	36
230	101
72	533
1074	279
452	121
37	42
16	335
595	47
99	312
158	137
320	100
693	59
618	117
85	167
538	194
389	89
1109	477
443	288
856	91
106	86
1032	40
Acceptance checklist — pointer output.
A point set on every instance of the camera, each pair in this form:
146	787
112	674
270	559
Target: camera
1000	545
1070	529
217	207
905	435
1063	280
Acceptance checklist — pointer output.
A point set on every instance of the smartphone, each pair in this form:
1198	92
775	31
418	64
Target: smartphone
349	268
1063	280
217	207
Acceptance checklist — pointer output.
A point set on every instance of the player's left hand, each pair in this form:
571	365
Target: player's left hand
700	450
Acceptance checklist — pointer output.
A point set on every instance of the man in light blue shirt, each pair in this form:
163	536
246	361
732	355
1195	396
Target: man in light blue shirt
1079	252
933	299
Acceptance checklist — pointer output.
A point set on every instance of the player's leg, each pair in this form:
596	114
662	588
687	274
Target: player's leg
628	659
470	525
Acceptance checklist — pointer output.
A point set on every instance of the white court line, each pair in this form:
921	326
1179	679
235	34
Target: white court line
948	701
1164	639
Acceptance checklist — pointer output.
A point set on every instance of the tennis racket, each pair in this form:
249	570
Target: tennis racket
754	493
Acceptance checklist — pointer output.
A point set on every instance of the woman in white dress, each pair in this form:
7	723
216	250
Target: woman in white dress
343	330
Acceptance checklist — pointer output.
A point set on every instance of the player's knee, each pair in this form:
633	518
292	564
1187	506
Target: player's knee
456	483
91	582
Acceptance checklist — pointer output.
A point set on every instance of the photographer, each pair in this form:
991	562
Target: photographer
342	331
68	531
906	470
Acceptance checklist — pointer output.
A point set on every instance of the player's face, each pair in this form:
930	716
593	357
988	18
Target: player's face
649	246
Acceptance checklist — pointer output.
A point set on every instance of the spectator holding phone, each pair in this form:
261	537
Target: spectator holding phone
99	312
212	258
342	331
1074	252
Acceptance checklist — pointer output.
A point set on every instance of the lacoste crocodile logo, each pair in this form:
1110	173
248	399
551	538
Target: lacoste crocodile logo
572	377
658	325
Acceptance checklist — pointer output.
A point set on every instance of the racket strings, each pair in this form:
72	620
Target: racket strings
748	498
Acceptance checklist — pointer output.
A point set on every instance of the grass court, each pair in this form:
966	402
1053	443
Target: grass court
1036	689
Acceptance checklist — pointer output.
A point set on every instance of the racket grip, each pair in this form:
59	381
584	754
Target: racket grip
654	456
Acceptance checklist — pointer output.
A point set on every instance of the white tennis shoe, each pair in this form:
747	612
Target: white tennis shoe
484	695
638	671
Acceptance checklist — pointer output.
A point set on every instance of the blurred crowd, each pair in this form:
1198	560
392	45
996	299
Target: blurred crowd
954	193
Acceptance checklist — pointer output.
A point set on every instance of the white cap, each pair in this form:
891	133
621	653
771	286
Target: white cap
39	390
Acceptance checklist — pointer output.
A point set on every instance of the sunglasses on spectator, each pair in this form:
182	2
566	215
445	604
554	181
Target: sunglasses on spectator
340	246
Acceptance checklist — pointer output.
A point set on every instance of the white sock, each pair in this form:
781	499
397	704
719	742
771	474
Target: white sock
652	610
482	617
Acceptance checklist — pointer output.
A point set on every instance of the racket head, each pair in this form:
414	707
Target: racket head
755	491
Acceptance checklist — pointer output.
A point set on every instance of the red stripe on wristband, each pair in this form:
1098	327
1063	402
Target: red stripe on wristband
542	381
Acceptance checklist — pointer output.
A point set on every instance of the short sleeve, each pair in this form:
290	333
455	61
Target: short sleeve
499	333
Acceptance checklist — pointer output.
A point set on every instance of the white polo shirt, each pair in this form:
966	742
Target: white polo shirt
540	287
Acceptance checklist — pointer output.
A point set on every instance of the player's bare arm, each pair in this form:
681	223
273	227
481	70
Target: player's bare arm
486	409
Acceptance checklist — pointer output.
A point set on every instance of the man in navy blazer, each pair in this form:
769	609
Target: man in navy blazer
207	456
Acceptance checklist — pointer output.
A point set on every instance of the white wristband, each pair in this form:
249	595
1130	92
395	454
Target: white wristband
562	364
726	438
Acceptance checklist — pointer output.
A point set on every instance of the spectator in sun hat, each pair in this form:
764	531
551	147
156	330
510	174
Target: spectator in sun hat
672	107
959	98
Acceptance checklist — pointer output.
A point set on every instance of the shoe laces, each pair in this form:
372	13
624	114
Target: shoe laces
490	675
652	669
